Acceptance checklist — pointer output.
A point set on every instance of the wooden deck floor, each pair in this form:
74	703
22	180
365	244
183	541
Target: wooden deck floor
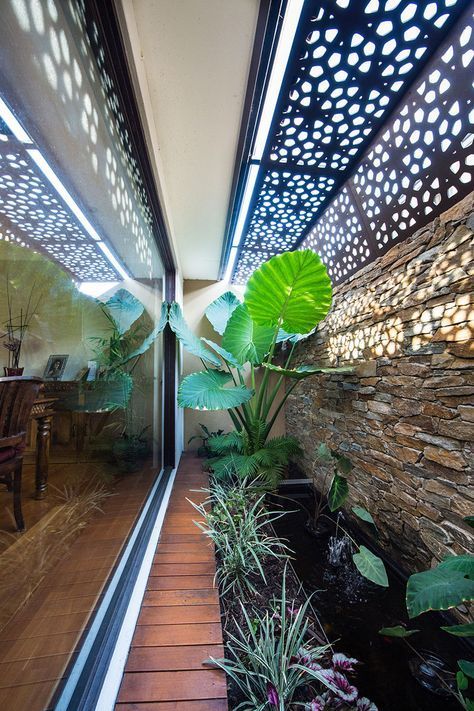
179	625
37	644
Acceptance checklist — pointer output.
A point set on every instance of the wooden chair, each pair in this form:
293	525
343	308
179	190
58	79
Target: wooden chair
17	396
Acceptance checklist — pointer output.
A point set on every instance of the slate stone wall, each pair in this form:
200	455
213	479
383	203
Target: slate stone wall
406	416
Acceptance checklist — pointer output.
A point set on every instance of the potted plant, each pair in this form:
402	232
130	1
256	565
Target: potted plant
16	327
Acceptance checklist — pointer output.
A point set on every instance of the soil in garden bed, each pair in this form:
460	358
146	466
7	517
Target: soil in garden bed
264	599
352	610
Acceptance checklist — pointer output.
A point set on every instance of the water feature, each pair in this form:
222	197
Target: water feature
352	610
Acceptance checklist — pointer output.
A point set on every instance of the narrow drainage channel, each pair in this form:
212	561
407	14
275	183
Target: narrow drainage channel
352	610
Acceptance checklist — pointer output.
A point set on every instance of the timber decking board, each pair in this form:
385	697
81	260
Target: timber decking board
179	626
205	705
37	644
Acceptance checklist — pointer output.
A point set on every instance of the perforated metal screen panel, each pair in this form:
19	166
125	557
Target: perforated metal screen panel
354	163
32	216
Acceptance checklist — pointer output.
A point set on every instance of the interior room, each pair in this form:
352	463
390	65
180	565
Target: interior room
236	398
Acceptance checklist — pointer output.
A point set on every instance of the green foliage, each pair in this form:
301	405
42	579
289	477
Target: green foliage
447	585
227	357
466	630
291	291
190	342
220	311
363	514
462	563
206	390
263	656
466	667
117	355
336	487
124	308
441	588
239	456
148	341
235	519
245	339
203	450
338	492
370	566
305	371
397	631
284	300
469	520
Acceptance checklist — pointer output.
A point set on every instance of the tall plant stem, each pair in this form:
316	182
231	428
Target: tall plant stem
246	409
235	420
277	411
268	403
264	383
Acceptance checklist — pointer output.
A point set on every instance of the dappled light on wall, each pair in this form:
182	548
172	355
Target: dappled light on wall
65	46
410	310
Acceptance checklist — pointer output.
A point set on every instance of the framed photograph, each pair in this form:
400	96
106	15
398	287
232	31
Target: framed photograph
55	367
91	370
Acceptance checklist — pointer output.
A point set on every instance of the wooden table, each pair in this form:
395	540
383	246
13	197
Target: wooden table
43	413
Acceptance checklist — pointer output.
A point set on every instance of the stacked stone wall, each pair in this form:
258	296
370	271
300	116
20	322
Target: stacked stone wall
406	415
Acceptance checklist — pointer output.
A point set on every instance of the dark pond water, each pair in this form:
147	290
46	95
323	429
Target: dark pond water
352	611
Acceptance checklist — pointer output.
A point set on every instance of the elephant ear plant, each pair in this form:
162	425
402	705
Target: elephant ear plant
448	585
284	301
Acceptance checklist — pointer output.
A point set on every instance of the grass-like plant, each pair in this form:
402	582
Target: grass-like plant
236	520
272	656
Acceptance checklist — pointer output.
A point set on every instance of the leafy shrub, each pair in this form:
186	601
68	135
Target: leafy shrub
236	520
237	457
284	301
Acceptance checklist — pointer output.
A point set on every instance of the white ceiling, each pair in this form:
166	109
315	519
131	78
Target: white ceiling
191	59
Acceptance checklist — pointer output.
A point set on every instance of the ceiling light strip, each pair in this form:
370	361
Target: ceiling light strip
272	92
280	62
19	132
13	124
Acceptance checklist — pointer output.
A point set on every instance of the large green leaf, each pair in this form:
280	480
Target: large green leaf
463	563
363	514
397	631
125	309
371	566
228	357
304	371
190	342
437	589
293	337
150	339
245	339
291	290
338	492
466	667
220	311
323	453
206	390
466	630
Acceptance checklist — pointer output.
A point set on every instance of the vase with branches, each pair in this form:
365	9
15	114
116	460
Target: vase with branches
16	327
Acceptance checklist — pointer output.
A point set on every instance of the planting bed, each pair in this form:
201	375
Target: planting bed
352	610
